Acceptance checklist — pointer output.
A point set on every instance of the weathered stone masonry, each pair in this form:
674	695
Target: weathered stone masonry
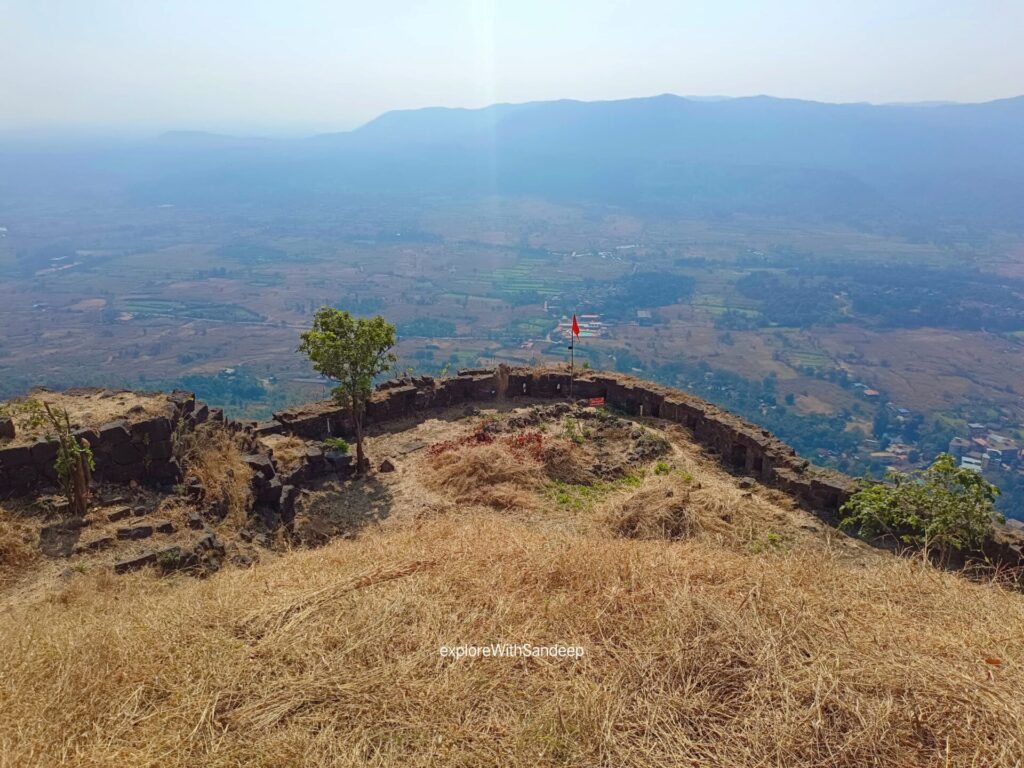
123	451
142	451
740	446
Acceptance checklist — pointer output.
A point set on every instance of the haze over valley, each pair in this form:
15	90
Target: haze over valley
848	275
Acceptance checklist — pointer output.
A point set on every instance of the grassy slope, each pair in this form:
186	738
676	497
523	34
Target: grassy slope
702	651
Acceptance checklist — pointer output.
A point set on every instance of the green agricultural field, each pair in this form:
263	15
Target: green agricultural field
190	310
798	360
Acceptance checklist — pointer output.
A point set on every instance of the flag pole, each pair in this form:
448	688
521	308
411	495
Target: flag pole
572	359
574	331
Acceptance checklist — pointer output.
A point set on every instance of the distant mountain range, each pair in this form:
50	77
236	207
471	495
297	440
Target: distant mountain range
890	165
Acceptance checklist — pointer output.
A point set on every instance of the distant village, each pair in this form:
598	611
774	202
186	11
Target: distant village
983	449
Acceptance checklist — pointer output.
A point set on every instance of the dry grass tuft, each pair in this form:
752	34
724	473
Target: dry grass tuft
17	549
213	456
695	655
565	462
288	449
490	475
672	506
660	509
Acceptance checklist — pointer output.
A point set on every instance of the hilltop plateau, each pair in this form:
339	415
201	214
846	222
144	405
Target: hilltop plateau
268	606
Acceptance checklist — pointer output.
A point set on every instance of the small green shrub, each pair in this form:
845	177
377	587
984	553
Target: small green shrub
572	430
772	542
944	507
632	479
74	463
662	467
169	559
580	497
336	444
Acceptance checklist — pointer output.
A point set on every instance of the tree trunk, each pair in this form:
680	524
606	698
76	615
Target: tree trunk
357	424
80	484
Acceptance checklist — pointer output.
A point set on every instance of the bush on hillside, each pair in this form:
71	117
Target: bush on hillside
944	507
337	444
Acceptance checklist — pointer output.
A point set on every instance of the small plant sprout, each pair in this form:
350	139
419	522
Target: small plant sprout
74	463
337	444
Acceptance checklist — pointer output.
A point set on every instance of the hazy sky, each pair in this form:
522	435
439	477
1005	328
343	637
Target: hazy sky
303	65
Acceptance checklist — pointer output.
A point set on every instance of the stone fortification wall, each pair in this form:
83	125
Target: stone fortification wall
740	446
142	450
126	449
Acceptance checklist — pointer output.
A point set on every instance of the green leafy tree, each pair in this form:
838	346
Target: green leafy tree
352	351
944	507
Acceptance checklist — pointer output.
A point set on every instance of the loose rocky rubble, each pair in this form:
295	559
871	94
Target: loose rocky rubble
617	444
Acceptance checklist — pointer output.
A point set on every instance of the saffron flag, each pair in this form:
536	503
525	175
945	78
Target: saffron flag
575	326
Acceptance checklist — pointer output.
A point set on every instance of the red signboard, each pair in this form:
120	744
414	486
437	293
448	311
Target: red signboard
596	401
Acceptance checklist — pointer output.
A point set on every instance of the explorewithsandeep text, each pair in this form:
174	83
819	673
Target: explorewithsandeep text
513	651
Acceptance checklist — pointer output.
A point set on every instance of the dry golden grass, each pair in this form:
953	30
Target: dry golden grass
17	548
700	649
661	509
288	449
695	655
489	475
212	455
92	408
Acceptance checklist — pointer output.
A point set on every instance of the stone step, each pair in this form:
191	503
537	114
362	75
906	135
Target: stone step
206	551
145	530
93	545
117	513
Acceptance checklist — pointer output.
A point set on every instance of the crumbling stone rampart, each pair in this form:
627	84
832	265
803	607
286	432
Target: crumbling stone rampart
739	445
124	450
142	451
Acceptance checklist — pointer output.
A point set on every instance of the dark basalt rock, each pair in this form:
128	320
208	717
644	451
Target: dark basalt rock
135	563
260	464
289	495
44	451
154	430
114	433
118	513
103	542
270	493
15	457
168	471
135	532
126	453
